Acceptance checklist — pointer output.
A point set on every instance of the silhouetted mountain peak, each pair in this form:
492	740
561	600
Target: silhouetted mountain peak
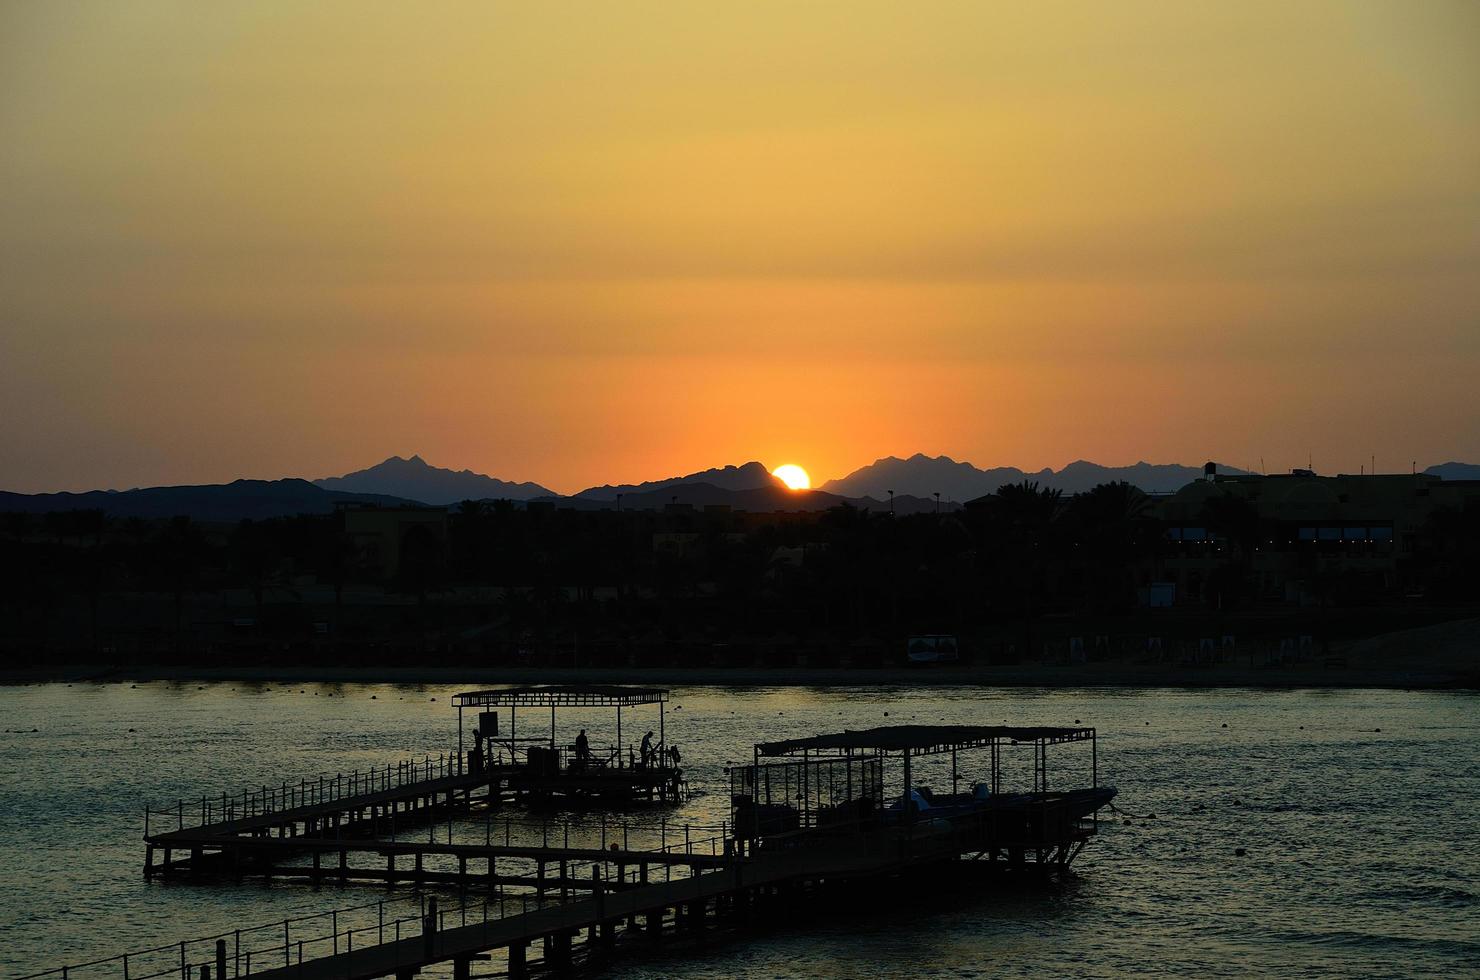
922	476
1455	470
416	479
234	501
746	476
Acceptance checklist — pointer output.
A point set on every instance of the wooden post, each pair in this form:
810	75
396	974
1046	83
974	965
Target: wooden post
518	970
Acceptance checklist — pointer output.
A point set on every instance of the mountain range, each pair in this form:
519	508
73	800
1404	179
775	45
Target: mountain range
923	476
416	479
235	501
750	486
1456	471
748	476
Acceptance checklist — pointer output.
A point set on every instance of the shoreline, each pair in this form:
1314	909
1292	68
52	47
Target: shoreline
1019	676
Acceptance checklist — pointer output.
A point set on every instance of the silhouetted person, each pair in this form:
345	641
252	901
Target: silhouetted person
583	749
646	749
673	756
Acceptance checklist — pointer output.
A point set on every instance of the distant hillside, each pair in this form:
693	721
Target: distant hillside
922	476
242	499
754	499
749	476
1456	471
415	479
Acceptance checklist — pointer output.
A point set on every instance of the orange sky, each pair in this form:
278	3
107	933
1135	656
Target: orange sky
587	243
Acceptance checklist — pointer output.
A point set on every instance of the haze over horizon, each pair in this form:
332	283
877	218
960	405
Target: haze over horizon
621	243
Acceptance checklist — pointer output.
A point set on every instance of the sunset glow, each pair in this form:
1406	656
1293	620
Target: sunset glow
589	248
793	476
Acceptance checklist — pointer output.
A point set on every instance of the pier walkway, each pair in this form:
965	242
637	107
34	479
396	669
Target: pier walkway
691	899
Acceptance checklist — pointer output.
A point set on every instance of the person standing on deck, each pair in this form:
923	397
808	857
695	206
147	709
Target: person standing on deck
646	749
583	749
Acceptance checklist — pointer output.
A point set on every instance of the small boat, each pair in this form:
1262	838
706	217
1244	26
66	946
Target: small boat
1079	803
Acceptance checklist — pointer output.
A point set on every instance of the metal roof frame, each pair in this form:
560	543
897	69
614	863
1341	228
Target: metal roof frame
562	695
922	739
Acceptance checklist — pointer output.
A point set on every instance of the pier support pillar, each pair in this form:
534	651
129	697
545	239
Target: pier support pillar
462	968
518	967
557	951
655	923
149	861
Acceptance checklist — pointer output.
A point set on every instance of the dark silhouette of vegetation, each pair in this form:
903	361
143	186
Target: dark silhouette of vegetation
502	583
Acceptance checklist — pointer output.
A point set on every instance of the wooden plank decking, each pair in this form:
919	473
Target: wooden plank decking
465	942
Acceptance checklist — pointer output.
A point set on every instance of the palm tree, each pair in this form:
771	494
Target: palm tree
1022	517
255	557
180	550
1110	522
93	524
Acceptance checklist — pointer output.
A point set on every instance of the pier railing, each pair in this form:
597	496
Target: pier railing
297	939
268	800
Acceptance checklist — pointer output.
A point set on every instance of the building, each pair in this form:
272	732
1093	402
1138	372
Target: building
383	537
1297	536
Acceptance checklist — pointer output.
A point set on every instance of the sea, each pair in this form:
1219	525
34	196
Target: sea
1292	833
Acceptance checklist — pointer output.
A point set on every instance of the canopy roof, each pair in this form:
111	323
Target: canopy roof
923	738
609	695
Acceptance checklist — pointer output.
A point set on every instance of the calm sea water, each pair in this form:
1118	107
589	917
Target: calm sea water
1359	812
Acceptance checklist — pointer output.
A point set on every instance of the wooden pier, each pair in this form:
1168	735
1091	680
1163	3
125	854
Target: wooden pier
816	816
744	883
235	831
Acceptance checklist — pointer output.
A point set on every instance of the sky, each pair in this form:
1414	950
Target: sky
591	243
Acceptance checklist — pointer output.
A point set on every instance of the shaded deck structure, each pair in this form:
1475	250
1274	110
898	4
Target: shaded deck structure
392	811
877	781
548	763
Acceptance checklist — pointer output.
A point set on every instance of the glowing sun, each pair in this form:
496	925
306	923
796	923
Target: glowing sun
793	476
